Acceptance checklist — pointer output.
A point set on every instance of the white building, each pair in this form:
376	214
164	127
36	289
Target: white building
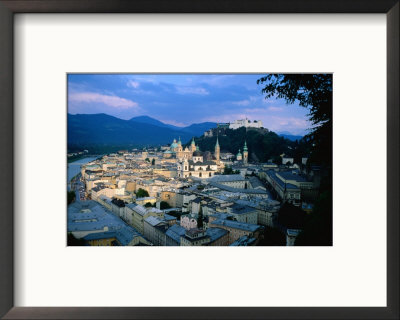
287	160
245	123
291	235
231	180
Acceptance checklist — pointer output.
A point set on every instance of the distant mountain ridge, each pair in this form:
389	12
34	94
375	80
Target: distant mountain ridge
88	130
196	129
289	136
155	122
102	129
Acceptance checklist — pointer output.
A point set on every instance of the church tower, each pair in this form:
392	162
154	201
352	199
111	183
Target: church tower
217	151
193	146
179	153
245	153
239	156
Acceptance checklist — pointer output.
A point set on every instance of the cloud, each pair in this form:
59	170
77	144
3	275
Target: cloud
133	84
241	103
291	124
275	109
254	110
109	100
251	100
192	90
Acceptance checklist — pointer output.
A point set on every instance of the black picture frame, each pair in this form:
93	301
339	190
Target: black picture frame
7	10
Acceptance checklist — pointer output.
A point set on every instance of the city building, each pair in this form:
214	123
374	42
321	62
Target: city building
91	222
238	229
195	237
136	214
155	229
197	167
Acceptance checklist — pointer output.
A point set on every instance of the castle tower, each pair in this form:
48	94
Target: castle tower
193	146
245	153
217	150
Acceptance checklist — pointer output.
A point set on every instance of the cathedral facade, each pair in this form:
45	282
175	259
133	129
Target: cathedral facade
194	164
176	150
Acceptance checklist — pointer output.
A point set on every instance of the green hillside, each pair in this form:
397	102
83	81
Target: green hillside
262	144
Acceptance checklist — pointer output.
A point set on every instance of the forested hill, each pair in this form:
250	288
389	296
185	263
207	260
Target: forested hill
262	144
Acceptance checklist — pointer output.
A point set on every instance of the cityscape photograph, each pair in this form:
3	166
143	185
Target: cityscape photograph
199	159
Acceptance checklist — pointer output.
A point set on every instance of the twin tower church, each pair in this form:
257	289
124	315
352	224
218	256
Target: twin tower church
191	162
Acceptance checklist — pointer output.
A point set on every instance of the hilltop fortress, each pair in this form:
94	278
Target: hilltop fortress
242	123
245	123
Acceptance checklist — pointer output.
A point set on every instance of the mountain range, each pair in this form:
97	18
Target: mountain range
102	129
196	129
89	131
289	136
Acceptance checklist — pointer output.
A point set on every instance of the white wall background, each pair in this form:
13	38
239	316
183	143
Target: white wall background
351	273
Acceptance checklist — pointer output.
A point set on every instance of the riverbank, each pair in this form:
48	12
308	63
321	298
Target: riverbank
74	168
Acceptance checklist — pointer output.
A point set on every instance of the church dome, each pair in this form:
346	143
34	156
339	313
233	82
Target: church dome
174	144
197	153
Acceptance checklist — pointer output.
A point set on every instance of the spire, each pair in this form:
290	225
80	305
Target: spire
193	141
179	141
217	144
245	146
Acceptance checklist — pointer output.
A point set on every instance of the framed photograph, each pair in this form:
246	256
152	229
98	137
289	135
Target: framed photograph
199	160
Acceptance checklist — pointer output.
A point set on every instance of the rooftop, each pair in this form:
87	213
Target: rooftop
90	216
238	190
153	221
237	225
244	241
175	232
216	233
227	178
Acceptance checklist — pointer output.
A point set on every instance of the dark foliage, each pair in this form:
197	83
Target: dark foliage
71	196
272	237
164	205
72	241
200	218
312	91
141	193
175	214
229	170
118	202
291	217
317	230
263	144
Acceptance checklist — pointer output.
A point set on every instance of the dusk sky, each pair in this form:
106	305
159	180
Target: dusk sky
183	99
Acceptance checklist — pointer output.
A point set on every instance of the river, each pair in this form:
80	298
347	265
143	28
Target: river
75	167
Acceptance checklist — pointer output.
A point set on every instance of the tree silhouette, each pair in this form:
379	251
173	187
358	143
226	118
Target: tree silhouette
141	193
200	218
164	205
314	92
